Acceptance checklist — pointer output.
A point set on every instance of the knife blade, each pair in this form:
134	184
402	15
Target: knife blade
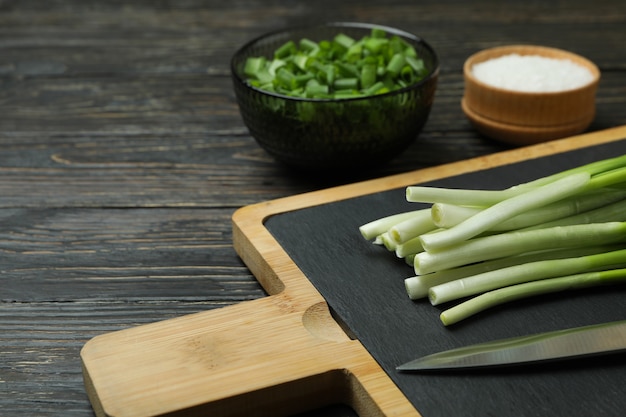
564	344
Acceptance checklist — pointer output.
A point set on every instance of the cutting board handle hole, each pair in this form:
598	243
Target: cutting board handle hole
334	390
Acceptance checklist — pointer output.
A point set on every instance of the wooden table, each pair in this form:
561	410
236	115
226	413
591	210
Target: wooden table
123	156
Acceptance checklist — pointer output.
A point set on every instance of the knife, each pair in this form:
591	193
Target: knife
570	343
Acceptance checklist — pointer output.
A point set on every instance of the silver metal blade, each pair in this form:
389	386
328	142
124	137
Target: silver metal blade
550	346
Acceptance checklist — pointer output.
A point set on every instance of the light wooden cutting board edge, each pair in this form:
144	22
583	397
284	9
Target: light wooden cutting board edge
273	356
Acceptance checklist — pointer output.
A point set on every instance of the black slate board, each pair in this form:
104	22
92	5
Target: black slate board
363	285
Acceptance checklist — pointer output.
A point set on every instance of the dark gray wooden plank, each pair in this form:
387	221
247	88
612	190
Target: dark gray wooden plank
162	255
122	155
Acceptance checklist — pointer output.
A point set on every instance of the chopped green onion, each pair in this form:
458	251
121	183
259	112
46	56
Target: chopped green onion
275	65
346	83
375	45
406	74
378	33
308	45
354	52
416	64
285	50
374	64
348	70
254	66
303	62
395	65
346	93
286	79
315	89
378	88
344	40
368	76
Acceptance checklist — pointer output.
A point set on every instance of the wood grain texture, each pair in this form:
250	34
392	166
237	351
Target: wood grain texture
123	156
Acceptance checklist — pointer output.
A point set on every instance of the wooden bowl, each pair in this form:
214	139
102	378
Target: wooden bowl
524	117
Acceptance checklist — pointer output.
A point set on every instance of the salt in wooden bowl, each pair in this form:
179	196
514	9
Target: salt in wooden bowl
530	113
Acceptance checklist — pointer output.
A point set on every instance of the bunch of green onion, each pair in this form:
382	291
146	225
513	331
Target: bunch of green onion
488	247
341	67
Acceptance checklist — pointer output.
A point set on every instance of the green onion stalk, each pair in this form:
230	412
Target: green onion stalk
561	231
516	292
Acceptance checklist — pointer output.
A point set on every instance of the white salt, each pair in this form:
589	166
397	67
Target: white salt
532	73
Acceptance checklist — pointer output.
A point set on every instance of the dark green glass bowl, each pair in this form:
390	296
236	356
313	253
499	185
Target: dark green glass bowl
329	135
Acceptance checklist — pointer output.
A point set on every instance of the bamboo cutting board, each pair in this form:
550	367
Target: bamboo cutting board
336	321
